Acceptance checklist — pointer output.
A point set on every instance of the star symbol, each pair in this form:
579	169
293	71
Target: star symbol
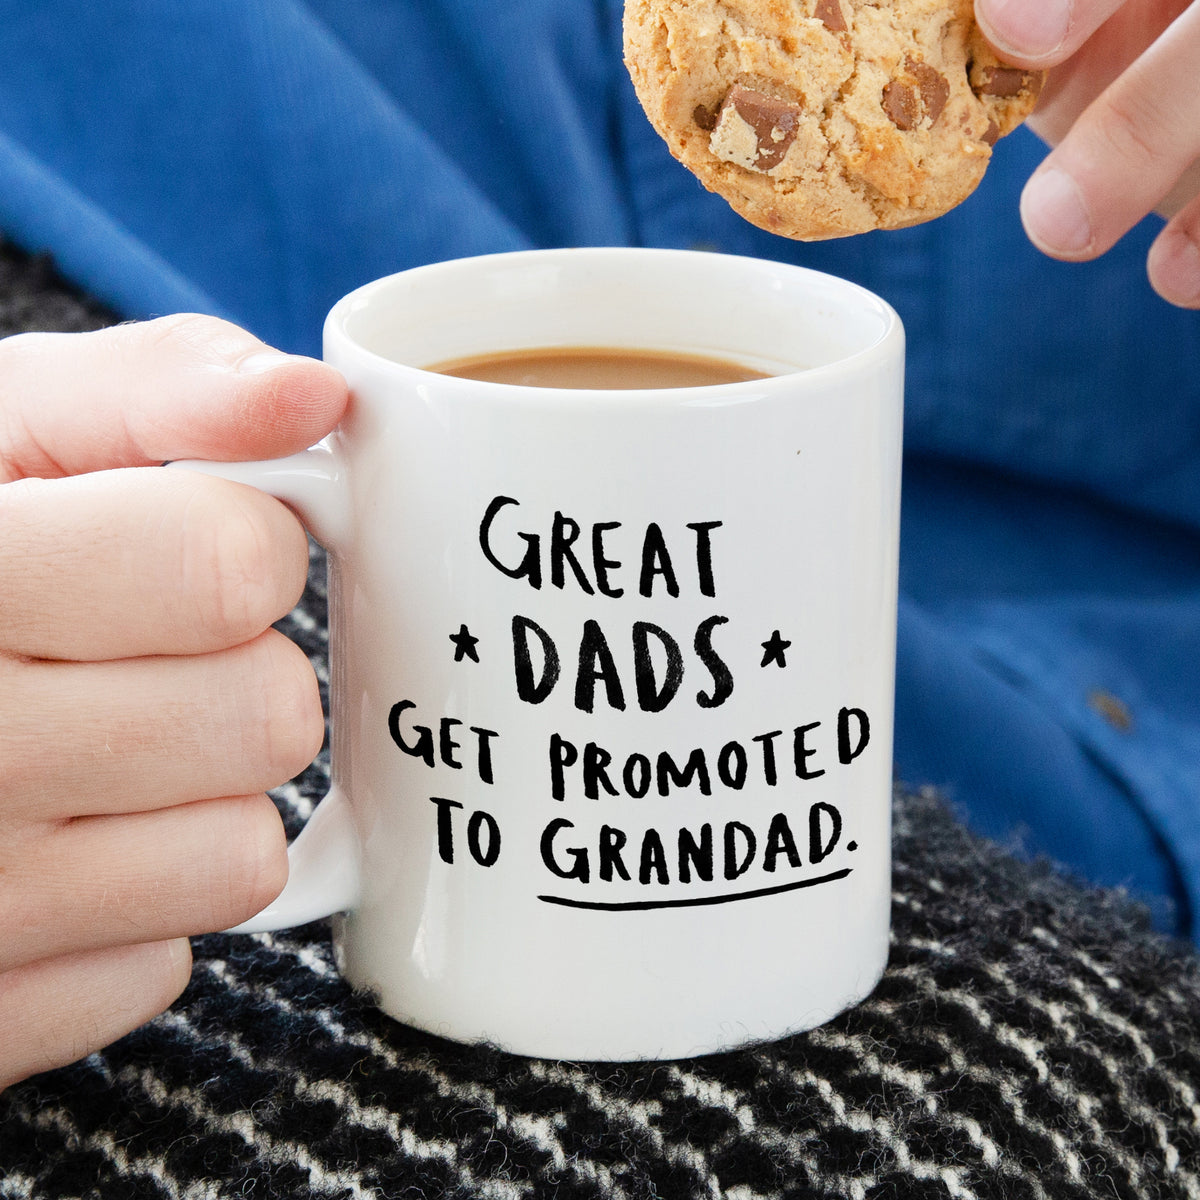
464	645
773	649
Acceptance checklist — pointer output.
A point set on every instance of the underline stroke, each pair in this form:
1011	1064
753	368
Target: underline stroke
691	902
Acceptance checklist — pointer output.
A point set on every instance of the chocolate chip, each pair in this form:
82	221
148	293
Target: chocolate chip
706	118
933	85
908	103
773	120
829	13
902	104
992	134
1003	82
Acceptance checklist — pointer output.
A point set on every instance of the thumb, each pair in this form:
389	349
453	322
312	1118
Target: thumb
1041	33
184	386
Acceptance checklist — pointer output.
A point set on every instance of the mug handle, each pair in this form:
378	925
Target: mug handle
325	860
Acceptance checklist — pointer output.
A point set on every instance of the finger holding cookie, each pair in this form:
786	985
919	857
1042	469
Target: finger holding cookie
1041	33
1122	107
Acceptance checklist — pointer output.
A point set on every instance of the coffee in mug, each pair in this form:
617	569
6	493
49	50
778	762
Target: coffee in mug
605	368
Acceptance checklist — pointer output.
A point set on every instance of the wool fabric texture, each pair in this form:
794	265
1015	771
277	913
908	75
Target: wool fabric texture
1030	1038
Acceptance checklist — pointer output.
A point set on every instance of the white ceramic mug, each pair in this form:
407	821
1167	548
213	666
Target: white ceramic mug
612	672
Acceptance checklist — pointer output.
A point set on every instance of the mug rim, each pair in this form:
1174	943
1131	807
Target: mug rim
354	302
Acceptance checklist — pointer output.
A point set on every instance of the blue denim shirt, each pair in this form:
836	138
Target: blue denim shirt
258	158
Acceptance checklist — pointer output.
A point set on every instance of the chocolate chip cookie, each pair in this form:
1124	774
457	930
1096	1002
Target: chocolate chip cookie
822	118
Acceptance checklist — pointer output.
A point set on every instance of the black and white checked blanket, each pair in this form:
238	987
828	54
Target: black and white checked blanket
1031	1038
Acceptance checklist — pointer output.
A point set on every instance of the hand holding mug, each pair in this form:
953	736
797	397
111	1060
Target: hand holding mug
145	703
612	671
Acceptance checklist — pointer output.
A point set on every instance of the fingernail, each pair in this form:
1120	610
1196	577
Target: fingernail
1054	214
1174	267
262	361
1030	29
179	951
